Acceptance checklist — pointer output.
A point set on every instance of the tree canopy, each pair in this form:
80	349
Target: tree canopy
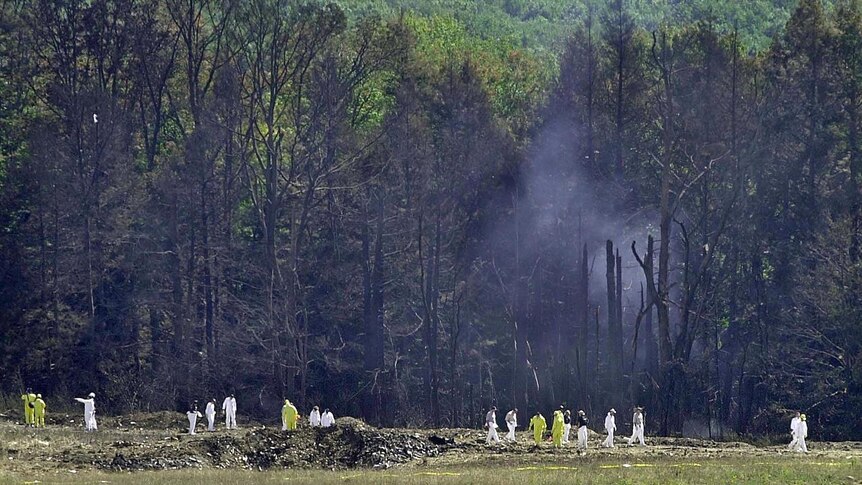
410	211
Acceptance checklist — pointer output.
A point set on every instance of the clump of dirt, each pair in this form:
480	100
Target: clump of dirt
367	446
349	444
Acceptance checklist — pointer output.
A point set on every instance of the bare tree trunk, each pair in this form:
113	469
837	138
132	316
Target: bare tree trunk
431	277
523	369
618	89
651	354
614	342
209	321
179	318
455	334
663	300
373	315
88	252
596	380
619	321
582	319
853	187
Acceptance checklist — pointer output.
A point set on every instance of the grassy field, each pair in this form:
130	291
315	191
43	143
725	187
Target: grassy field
157	447
783	470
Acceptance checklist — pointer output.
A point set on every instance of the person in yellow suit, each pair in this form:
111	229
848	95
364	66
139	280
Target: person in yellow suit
29	411
538	425
39	411
557	428
291	425
288	416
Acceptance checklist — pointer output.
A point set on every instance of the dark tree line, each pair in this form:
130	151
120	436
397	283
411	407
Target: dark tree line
205	196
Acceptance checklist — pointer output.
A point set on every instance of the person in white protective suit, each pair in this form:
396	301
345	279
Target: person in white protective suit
794	423
610	427
326	419
511	423
637	427
193	415
89	411
229	408
491	423
210	412
801	434
314	417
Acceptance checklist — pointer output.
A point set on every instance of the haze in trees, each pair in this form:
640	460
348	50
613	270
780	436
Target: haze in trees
414	210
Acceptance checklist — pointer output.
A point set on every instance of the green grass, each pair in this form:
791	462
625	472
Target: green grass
782	469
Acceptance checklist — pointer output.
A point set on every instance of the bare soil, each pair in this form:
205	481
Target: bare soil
159	441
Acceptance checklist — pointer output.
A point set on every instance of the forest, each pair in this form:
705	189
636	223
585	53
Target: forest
408	215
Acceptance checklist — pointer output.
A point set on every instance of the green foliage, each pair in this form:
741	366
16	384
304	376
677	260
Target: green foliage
392	202
543	24
514	78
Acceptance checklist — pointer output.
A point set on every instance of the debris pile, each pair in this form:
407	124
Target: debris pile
349	444
371	447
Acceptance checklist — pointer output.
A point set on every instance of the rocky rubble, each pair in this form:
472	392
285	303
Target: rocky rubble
350	444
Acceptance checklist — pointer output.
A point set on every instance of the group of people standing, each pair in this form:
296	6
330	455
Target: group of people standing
34	409
290	417
228	407
561	427
34	413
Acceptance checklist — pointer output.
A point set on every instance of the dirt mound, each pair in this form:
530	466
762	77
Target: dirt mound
369	446
158	441
349	444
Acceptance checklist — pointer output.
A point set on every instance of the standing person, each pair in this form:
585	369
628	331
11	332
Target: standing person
29	415
26	403
193	415
511	423
567	425
327	419
210	412
285	415
610	427
491	423
538	425
557	428
801	434
293	417
637	426
583	431
229	407
794	424
233	410
39	411
314	417
89	411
